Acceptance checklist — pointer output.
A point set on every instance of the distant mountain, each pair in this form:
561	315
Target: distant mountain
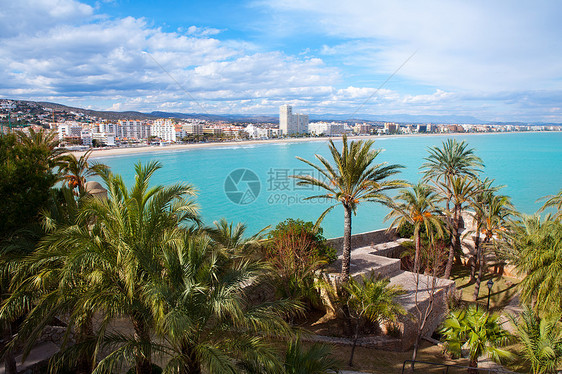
401	118
274	118
110	115
217	117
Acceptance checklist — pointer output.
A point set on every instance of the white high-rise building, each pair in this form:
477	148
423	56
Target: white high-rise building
69	130
131	129
165	130
290	123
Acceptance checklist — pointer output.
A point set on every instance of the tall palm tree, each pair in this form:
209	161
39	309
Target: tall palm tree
444	166
352	178
417	206
553	201
450	160
478	332
540	339
491	215
461	191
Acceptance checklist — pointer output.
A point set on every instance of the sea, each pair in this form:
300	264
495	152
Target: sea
251	183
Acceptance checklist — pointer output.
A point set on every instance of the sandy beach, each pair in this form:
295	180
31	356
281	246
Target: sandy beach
104	152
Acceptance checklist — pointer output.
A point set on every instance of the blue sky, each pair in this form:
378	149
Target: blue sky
496	61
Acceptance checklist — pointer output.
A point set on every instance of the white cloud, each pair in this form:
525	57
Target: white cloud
491	46
473	57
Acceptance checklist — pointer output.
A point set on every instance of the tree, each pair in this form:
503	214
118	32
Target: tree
534	248
371	299
352	178
99	263
491	214
76	170
28	163
203	314
540	339
478	332
461	191
28	172
553	201
317	359
419	208
443	166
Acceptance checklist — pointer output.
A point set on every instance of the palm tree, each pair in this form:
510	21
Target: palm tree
231	237
453	159
443	168
76	170
372	299
461	191
491	215
540	340
352	179
478	332
419	208
203	314
553	201
536	247
99	263
317	359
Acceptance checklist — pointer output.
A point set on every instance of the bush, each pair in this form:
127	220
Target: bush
296	252
320	249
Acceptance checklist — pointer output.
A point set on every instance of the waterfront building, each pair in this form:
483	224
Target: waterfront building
290	123
132	129
164	129
86	137
391	128
69	130
362	128
326	128
193	129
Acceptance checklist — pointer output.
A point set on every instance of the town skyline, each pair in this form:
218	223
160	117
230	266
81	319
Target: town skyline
494	62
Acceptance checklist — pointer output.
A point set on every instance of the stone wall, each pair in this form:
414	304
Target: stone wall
409	325
364	239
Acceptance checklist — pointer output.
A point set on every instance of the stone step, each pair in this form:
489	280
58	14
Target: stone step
363	262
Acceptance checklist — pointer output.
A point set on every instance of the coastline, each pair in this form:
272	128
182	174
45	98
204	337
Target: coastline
107	152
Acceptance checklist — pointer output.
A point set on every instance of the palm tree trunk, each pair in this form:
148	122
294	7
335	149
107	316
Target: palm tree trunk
346	250
9	360
480	271
355	338
191	362
142	355
478	263
85	362
453	245
417	254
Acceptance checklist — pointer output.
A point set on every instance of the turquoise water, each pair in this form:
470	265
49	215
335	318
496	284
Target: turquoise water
530	164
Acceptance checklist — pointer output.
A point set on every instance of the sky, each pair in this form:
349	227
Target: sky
492	60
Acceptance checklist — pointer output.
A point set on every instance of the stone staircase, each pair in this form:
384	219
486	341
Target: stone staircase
378	258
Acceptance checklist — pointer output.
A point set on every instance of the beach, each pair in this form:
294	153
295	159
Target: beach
117	151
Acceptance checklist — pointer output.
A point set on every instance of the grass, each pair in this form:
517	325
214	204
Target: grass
502	292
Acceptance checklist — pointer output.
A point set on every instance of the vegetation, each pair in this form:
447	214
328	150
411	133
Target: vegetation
451	169
191	298
540	339
371	299
352	179
476	331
